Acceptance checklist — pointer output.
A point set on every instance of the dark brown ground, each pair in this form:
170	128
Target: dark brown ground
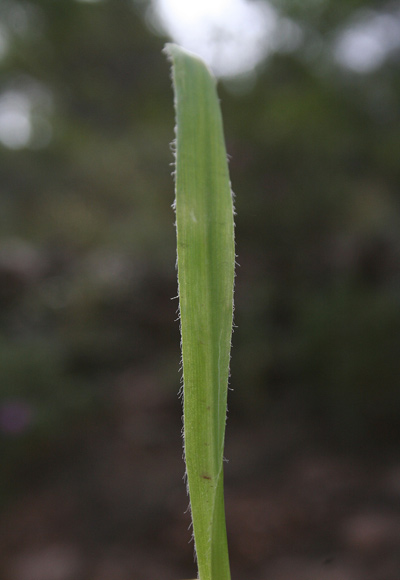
111	504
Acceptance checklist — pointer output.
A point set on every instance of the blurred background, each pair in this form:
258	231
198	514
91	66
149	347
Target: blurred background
90	421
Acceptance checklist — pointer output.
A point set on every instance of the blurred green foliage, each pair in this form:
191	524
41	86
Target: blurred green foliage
87	247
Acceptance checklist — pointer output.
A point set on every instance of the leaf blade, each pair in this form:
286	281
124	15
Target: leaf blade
205	248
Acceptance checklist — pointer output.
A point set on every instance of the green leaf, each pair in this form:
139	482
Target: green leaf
206	257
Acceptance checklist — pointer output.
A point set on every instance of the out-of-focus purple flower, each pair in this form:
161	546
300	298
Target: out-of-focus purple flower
15	417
